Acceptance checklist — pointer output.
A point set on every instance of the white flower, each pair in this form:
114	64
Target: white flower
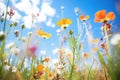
76	10
30	33
10	45
59	67
55	50
7	67
24	39
115	39
14	69
15	50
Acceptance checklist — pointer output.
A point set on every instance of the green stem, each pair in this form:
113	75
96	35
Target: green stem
72	66
105	73
90	69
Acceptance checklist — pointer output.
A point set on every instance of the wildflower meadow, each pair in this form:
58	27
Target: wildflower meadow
59	40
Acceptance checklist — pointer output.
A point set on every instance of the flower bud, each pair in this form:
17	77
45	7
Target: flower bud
71	32
22	26
2	35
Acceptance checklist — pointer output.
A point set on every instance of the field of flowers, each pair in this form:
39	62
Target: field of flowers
88	58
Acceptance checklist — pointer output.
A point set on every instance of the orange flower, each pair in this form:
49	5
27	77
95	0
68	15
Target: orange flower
103	46
50	74
101	16
85	55
64	23
47	59
84	18
40	68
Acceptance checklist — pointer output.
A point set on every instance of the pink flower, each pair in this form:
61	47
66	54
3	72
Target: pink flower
11	12
32	51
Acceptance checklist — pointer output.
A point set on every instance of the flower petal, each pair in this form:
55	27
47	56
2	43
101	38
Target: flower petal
101	14
82	17
110	16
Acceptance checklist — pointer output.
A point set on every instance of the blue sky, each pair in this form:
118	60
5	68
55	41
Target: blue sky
86	7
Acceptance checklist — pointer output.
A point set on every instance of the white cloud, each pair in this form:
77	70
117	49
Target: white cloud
32	7
13	2
2	7
47	9
49	23
53	25
28	21
24	6
16	17
58	30
41	18
35	2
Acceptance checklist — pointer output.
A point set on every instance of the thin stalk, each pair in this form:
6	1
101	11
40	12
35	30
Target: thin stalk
90	69
6	16
72	66
105	73
78	24
87	32
107	41
10	58
62	12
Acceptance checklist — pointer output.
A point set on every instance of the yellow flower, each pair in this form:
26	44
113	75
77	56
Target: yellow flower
95	49
95	41
40	68
43	34
64	23
50	75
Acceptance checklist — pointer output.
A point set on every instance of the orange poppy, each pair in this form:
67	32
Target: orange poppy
64	23
102	16
84	18
47	59
40	68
